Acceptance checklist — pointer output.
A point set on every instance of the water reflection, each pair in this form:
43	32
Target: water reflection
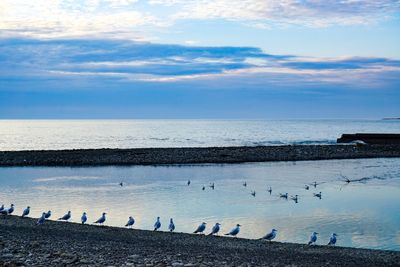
364	214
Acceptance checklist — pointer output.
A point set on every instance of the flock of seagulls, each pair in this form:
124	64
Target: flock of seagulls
171	227
157	225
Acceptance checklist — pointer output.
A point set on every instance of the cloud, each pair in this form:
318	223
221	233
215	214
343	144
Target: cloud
86	63
133	19
264	13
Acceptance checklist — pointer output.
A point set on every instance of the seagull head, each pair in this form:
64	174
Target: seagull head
104	213
204	223
334	234
158	218
238	225
28	207
171	220
315	233
274	230
84	213
12	205
217	224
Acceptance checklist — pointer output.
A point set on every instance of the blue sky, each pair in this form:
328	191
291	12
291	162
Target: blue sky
199	59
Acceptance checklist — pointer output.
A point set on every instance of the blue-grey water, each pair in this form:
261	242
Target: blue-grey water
70	134
364	214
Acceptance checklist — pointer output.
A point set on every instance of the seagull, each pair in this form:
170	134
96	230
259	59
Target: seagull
215	229
157	224
315	184
171	225
244	184
332	241
201	228
84	218
318	195
307	187
42	219
270	190
188	182
295	198
47	215
26	211
212	186
130	222
283	195
253	193
102	219
234	231
204	188
11	209
313	238
66	217
121	184
7	211
271	235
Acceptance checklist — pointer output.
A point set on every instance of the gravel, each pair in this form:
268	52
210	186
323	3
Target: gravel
22	243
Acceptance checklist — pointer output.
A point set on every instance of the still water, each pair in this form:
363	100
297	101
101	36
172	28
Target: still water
70	134
364	214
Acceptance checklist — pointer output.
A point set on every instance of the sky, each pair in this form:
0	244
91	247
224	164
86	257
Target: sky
235	59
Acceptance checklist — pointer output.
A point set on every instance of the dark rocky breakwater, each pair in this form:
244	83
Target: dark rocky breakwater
22	243
153	156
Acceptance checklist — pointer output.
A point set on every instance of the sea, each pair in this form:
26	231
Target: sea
365	213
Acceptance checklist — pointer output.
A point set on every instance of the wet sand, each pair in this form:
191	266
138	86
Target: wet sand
22	243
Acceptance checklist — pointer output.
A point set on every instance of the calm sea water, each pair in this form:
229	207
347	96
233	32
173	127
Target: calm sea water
69	134
364	214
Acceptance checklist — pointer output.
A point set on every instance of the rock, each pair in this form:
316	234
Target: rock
7	256
177	264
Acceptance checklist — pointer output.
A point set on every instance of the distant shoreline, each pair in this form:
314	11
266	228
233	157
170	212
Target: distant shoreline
193	155
71	244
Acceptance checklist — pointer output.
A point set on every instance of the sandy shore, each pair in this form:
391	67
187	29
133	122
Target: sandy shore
62	244
153	156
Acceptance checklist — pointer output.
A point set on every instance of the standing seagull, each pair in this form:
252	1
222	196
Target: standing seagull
244	184
307	187
253	193
212	186
171	226
157	224
271	235
84	218
332	241
295	198
234	231
201	228
313	238
42	219
215	229
188	182
11	209
7	211
66	217
26	211
204	188
130	222
102	219
48	214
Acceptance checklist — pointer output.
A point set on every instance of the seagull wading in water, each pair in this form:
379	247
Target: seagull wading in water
42	219
332	240
102	219
157	224
26	211
83	218
313	238
66	217
130	222
270	235
200	229
215	229
171	226
234	231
